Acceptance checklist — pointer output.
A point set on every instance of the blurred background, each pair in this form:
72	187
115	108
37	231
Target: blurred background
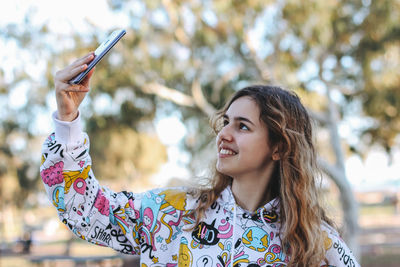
147	113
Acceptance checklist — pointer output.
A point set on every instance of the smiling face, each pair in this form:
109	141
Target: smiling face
243	143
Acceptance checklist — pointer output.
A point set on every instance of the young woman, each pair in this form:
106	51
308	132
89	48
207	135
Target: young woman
260	209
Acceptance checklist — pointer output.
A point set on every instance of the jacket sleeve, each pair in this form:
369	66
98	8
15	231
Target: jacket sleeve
92	212
337	252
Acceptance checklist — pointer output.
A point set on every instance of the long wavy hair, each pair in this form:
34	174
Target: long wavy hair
294	180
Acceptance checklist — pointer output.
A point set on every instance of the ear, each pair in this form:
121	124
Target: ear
275	154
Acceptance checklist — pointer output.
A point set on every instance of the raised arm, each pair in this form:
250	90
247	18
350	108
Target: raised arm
91	212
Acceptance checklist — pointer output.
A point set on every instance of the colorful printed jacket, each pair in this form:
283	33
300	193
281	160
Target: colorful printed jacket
154	224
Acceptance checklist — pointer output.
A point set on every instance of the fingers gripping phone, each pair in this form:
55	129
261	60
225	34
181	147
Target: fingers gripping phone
99	53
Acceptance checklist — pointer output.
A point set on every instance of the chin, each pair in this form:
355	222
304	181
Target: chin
224	171
219	168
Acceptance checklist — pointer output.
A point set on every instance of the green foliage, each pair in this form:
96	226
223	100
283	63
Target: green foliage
379	56
120	153
351	46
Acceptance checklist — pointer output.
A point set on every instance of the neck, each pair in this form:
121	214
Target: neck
252	192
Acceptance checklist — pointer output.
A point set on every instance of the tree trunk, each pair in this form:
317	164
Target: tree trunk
337	172
348	204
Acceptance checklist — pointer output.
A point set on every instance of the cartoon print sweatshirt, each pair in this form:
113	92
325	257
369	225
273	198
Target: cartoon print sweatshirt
155	224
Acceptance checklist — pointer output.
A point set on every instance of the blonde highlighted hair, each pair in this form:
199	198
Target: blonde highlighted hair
295	178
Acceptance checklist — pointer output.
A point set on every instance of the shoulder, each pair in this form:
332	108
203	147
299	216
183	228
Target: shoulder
337	251
180	198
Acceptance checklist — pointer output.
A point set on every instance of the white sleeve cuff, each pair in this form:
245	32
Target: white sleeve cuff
68	132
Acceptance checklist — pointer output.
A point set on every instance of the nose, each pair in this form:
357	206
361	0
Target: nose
225	134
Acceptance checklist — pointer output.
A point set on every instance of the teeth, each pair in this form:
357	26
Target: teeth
227	152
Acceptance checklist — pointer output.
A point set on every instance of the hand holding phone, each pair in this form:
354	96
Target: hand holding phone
72	82
99	53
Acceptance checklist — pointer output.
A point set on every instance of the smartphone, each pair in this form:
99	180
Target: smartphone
99	53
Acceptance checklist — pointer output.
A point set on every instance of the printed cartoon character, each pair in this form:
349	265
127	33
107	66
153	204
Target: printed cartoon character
58	198
54	174
225	229
205	234
275	256
102	204
173	208
150	208
118	217
77	206
71	176
269	216
133	215
148	218
327	241
151	204
255	238
185	255
173	198
240	258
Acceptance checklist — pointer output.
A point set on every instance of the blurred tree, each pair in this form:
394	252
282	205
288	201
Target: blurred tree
340	56
129	155
378	54
25	97
206	50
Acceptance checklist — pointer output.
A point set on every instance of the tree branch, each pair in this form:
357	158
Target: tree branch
228	76
171	11
197	100
172	95
318	116
261	67
200	100
333	172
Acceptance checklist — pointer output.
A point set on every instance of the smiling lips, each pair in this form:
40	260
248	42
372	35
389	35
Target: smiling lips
226	152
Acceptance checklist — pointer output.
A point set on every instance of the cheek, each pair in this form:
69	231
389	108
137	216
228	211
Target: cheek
219	137
257	149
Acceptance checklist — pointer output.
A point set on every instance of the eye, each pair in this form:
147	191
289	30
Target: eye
243	126
225	122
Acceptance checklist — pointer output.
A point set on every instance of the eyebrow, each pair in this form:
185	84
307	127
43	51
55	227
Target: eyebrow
239	119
